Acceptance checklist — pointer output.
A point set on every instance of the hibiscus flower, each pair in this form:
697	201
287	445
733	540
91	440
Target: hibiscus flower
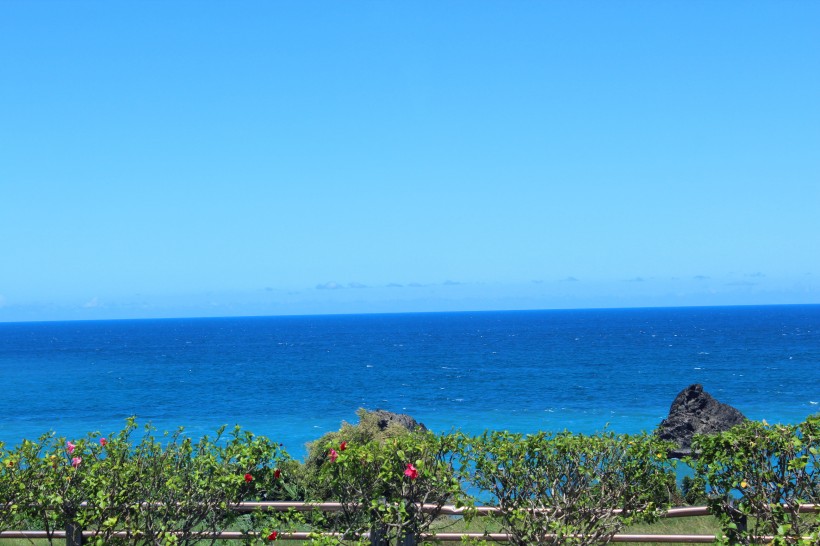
411	471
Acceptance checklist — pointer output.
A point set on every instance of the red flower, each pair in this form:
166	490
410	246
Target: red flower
277	473
103	442
343	446
333	455
75	462
248	478
411	472
273	535
69	447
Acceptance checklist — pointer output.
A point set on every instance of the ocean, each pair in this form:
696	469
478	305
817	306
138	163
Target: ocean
294	378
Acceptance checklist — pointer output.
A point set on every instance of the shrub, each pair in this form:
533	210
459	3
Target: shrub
163	490
14	480
382	486
559	489
693	490
756	475
189	487
307	483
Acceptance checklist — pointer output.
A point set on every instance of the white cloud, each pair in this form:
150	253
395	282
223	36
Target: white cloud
330	285
92	303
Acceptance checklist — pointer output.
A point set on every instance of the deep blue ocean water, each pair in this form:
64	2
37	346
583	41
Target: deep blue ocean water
294	378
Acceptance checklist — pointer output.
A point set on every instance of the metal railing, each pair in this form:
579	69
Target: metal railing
75	536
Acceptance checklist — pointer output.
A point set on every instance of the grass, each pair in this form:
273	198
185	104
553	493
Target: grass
698	525
704	525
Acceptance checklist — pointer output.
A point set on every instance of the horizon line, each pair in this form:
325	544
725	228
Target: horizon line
397	313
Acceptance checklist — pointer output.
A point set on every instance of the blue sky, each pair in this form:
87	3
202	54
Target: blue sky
164	159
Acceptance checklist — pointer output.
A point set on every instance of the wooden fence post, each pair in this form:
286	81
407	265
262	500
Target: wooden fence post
408	538
73	534
738	518
378	531
73	531
377	536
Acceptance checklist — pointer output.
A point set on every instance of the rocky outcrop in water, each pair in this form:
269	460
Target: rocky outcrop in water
695	411
386	418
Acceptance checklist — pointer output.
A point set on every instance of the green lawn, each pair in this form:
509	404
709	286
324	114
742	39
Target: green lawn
698	525
703	525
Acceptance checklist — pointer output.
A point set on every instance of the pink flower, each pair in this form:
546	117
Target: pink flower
69	447
333	455
75	462
103	442
277	473
273	535
248	478
411	472
343	446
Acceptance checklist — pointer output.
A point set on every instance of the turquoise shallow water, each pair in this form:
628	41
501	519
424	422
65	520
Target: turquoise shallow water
293	378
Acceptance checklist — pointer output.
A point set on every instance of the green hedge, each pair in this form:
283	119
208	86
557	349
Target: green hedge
147	489
562	488
755	477
552	488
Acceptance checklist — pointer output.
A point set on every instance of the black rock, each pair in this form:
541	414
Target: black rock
696	412
386	418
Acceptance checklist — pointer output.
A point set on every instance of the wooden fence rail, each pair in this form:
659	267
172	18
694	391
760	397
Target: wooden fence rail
75	536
